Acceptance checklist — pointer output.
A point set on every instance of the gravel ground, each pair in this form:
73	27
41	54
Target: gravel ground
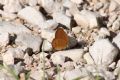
90	35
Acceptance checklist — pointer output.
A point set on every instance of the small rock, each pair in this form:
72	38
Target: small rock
7	15
58	59
48	5
62	18
8	58
118	1
12	6
5	76
68	66
25	40
112	66
104	32
74	54
48	34
34	17
17	53
112	18
87	19
116	25
98	5
4	38
103	52
32	2
34	74
76	29
13	28
113	5
27	59
77	1
118	63
76	73
116	40
50	24
88	58
46	46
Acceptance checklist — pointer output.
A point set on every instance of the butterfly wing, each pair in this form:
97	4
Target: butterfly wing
61	40
61	34
59	44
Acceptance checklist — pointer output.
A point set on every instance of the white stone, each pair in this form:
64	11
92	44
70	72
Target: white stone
118	64
48	34
34	74
34	17
46	46
48	5
4	38
8	15
32	2
113	5
25	40
87	19
13	28
68	65
8	58
112	18
17	53
118	1
116	40
58	59
116	25
113	65
103	52
98	5
88	58
12	6
76	73
62	18
77	1
27	59
76	29
50	24
4	75
74	54
104	32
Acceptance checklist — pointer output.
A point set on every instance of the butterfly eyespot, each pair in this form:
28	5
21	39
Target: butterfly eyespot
60	41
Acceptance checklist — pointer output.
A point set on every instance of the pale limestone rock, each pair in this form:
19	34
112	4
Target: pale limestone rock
48	34
88	58
116	25
12	6
103	52
87	19
62	18
76	29
34	17
13	28
4	38
74	54
77	1
25	40
46	46
8	58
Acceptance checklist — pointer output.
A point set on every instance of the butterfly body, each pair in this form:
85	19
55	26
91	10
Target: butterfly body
61	40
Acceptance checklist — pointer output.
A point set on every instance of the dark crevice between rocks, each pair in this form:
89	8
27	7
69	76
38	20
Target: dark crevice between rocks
29	51
47	16
12	38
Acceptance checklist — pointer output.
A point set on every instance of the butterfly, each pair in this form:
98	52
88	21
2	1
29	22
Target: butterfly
61	40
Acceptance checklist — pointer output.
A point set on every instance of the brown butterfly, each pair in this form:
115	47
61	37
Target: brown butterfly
61	40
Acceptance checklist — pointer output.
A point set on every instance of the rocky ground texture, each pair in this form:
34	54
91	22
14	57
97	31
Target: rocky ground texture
27	28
